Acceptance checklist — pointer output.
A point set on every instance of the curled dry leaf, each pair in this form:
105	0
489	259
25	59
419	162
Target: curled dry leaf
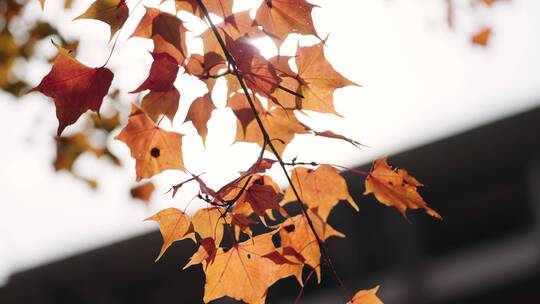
174	225
74	87
319	189
396	188
366	297
112	12
153	148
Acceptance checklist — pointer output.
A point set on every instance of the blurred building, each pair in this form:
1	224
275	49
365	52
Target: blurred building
485	183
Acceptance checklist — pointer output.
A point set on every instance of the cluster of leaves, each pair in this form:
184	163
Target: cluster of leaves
248	237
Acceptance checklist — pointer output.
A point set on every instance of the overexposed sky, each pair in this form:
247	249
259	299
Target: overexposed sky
421	81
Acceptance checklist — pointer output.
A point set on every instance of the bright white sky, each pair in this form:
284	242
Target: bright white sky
421	81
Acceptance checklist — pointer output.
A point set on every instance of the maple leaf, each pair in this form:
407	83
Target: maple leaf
222	8
297	234
331	134
42	4
281	125
157	103
321	188
482	37
163	73
279	18
258	73
199	113
143	191
366	297
208	223
204	255
74	87
112	12
319	79
174	225
244	272
153	148
167	26
244	115
397	189
70	148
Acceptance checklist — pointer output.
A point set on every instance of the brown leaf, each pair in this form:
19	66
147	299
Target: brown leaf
319	79
208	223
163	73
366	297
174	225
165	103
112	12
143	192
199	113
169	27
321	188
397	189
74	87
244	115
153	148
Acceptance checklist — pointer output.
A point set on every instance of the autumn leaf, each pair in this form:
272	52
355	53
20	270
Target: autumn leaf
482	37
208	223
366	297
174	225
163	73
279	18
396	188
319	79
112	12
331	134
204	255
70	148
244	115
222	8
153	148
257	72
168	27
244	272
199	113
282	125
42	3
74	87
156	104
296	233
143	192
322	188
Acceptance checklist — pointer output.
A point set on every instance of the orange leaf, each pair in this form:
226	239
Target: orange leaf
74	87
319	78
199	113
282	125
163	73
208	223
174	225
321	188
244	115
169	27
482	37
204	255
244	272
153	148
397	189
296	233
112	12
42	3
165	103
279	18
366	297
143	192
222	8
